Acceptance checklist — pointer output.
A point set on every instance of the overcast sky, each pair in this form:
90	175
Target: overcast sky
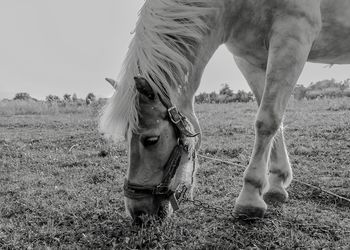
69	46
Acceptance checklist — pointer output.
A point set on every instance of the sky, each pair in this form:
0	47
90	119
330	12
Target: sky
57	47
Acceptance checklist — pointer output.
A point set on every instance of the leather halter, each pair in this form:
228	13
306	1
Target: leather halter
162	190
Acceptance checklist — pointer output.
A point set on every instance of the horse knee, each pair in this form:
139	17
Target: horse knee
268	124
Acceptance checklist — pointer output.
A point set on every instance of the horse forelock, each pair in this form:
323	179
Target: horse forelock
164	42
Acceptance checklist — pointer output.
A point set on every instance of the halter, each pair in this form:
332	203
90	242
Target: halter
162	190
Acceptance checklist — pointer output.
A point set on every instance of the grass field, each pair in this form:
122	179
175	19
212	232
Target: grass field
61	184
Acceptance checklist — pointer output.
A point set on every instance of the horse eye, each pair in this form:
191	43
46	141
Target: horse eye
148	141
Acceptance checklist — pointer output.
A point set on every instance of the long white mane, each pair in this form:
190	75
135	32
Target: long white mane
166	36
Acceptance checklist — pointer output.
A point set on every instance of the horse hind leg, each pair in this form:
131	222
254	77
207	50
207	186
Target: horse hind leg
287	55
280	171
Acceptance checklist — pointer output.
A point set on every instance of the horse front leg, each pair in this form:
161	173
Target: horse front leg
280	171
290	45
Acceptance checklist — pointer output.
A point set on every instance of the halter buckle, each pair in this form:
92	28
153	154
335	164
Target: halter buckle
174	115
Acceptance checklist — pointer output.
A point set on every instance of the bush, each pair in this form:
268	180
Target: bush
299	92
67	98
90	98
225	90
325	88
22	96
347	92
202	98
74	97
52	99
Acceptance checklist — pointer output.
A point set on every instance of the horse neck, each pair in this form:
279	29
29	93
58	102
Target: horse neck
206	49
204	52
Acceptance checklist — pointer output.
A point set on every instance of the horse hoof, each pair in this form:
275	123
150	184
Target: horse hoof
248	212
275	197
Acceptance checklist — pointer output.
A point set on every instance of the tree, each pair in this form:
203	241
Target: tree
22	96
90	98
67	98
202	98
251	96
225	90
345	85
74	97
346	92
299	92
242	96
52	98
213	96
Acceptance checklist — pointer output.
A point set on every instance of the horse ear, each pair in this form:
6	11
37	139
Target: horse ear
112	82
144	88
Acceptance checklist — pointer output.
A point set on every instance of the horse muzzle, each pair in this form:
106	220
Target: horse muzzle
147	207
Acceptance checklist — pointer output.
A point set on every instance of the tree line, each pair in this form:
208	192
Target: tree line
225	95
323	89
66	99
315	90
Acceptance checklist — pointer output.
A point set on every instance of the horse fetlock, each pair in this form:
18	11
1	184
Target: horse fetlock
280	176
255	182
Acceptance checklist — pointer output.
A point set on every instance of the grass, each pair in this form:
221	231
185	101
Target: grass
61	184
30	107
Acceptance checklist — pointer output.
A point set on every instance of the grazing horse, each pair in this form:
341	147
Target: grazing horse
153	107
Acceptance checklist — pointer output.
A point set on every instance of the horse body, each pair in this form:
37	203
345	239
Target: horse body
270	41
332	44
250	26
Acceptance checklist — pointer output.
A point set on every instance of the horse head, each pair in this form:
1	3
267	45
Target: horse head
161	155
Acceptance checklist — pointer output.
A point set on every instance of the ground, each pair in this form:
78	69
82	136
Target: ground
61	184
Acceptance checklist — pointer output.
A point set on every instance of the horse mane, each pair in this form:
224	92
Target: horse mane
165	40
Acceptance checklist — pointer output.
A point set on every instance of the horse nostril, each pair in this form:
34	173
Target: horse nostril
142	210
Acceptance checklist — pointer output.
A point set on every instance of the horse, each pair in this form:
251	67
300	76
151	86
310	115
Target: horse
153	107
